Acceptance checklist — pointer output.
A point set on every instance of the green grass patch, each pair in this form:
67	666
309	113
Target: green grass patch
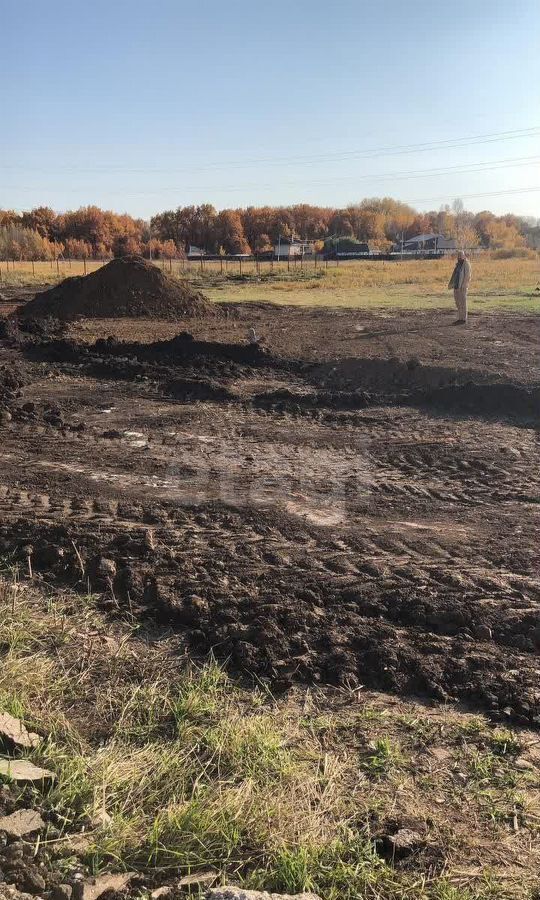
183	769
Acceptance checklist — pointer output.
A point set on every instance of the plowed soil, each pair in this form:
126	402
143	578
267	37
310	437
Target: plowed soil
355	504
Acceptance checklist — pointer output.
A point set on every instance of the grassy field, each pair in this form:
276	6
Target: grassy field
172	769
505	285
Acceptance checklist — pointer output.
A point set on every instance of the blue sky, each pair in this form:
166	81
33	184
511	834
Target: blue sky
141	107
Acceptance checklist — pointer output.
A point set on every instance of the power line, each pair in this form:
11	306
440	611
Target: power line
336	156
472	168
527	190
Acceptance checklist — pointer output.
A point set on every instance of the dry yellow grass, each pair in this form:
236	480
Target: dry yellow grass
496	285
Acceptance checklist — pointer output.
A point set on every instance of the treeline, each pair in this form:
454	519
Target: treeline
91	232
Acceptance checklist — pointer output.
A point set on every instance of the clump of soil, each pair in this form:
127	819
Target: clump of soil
19	332
11	382
128	286
188	389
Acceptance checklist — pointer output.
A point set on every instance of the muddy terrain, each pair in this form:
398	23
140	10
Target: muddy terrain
354	502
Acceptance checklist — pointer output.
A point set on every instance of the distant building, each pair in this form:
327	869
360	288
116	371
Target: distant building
195	252
345	248
428	243
533	238
286	249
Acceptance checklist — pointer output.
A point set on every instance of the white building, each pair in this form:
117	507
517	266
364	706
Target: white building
195	252
286	249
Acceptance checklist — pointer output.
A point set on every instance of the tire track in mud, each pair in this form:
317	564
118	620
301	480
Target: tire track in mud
404	586
376	595
277	605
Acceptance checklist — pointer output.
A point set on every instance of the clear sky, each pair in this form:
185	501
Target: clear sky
141	107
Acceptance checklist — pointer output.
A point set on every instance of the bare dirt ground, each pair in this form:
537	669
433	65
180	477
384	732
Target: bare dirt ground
356	504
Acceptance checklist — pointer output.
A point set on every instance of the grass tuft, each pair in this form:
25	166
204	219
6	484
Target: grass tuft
178	768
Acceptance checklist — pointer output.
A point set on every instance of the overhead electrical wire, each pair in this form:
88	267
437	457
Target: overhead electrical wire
336	156
464	169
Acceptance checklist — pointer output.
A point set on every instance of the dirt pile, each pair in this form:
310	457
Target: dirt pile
497	399
181	357
184	348
128	286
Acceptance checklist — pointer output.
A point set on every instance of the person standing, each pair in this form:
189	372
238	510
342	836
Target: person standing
459	281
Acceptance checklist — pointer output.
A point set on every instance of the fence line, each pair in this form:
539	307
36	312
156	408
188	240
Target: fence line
224	266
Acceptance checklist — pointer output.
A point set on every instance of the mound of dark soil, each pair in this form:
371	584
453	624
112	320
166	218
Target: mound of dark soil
128	286
493	399
180	357
388	375
183	348
288	401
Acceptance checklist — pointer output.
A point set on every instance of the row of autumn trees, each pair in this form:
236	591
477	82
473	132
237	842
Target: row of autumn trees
91	232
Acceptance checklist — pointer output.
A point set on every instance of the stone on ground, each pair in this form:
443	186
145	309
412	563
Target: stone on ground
92	888
22	822
234	893
22	770
14	731
10	892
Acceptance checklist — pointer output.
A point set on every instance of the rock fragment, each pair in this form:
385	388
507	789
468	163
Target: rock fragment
62	892
14	731
92	888
405	841
22	770
22	822
234	893
10	892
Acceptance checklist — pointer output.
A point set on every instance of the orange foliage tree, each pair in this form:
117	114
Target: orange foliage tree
381	221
